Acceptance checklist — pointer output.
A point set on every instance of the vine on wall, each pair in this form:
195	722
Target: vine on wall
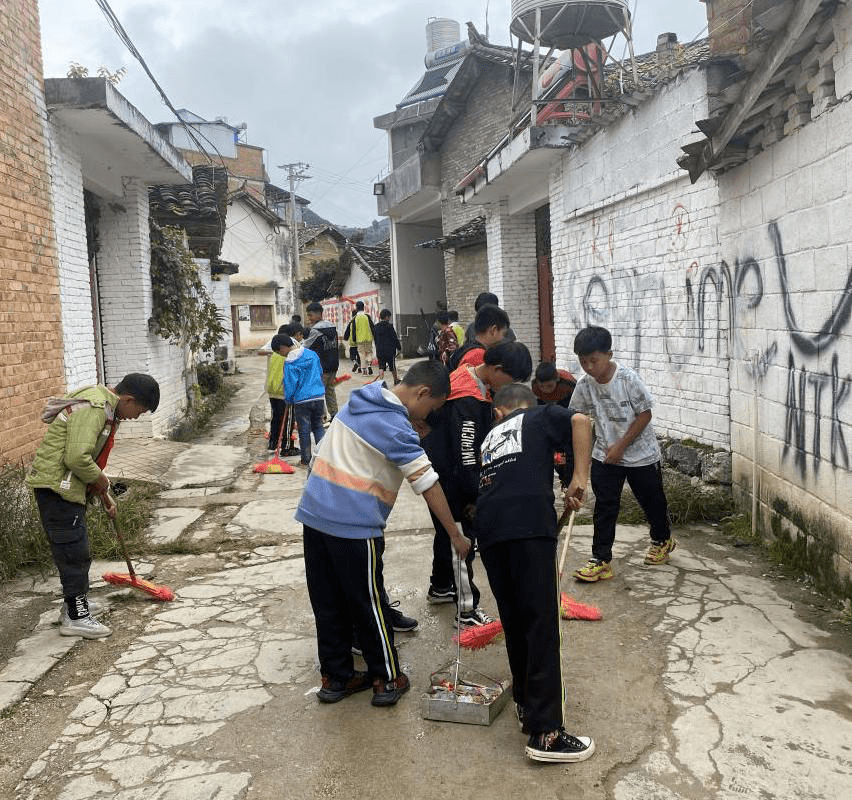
183	311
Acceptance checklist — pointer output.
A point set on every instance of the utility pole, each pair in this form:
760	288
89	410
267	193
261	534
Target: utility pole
295	173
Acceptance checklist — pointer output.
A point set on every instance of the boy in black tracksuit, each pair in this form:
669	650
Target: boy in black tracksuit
452	445
386	343
516	533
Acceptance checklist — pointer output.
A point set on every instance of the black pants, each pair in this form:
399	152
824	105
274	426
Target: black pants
277	405
65	526
522	575
445	566
346	588
646	483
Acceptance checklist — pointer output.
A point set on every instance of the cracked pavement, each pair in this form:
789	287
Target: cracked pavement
709	677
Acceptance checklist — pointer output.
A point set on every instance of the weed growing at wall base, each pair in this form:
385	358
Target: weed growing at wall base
201	411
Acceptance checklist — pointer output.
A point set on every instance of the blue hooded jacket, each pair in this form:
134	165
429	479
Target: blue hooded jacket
302	376
359	465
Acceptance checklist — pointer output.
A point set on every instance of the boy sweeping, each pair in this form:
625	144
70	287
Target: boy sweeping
516	533
357	470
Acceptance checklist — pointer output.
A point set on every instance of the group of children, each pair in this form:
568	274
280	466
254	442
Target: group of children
480	446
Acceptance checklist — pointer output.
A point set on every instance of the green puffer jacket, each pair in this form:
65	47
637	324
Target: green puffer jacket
65	460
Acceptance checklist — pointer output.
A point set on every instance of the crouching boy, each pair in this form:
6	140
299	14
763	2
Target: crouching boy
357	471
516	533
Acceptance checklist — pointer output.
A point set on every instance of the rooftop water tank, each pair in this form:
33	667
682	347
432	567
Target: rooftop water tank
440	33
569	23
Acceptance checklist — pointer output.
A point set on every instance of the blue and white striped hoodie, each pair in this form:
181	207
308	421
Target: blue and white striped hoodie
359	465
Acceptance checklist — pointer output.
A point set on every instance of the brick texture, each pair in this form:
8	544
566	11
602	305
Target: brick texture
30	347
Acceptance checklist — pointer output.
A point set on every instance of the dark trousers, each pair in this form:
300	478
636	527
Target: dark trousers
346	587
309	420
646	483
65	526
522	575
277	405
445	566
329	380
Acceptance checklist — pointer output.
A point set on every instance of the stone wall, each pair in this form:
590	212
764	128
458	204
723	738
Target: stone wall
30	323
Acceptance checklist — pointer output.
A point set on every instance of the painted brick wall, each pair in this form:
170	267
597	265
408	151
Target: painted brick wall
635	250
78	331
478	128
512	272
785	234
30	324
124	271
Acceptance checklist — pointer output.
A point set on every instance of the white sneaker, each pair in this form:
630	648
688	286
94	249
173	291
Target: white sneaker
87	627
96	608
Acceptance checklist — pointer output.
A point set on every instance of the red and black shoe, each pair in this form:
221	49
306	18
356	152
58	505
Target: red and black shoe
387	693
332	691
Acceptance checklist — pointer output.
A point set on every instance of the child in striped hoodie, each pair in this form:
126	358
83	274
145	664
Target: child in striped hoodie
368	449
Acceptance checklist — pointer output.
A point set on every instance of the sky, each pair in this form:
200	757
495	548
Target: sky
306	76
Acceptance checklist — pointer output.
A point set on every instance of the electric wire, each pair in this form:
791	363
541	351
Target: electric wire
721	25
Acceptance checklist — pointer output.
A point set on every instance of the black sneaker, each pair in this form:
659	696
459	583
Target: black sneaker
436	596
333	690
399	621
558	746
387	693
475	618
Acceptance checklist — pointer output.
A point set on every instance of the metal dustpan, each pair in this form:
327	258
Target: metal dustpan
462	694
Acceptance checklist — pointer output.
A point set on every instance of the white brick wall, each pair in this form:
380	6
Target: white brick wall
796	240
124	269
635	250
78	332
512	273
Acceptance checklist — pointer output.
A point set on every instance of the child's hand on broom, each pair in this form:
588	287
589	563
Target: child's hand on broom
574	494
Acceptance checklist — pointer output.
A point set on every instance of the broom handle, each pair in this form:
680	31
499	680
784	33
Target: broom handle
117	532
563	555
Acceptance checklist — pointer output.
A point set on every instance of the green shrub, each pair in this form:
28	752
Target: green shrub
210	378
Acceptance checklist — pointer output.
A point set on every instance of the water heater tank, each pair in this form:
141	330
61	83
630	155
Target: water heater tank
570	23
441	33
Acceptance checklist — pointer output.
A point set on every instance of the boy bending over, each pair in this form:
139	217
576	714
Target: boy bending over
357	471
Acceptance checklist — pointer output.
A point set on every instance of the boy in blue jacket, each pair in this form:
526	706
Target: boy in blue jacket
370	446
303	387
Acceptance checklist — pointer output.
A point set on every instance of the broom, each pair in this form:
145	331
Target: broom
571	608
475	638
276	465
132	580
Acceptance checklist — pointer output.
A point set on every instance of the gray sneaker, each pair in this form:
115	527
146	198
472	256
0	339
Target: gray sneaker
96	608
87	627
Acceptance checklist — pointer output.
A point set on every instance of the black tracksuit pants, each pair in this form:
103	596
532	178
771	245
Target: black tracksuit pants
523	579
646	483
346	587
65	526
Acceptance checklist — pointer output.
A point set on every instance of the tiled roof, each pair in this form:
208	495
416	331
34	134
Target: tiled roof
309	233
374	261
199	208
470	233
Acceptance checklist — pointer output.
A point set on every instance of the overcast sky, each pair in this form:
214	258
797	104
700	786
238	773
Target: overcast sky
306	76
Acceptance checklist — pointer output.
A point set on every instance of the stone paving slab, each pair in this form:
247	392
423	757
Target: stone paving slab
204	464
143	459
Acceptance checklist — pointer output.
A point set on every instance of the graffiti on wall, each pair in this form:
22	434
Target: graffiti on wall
701	317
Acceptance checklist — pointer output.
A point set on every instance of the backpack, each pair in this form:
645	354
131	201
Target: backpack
446	344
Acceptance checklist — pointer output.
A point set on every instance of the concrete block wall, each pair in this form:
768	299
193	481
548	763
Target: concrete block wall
634	249
785	229
478	128
512	273
124	271
78	328
30	318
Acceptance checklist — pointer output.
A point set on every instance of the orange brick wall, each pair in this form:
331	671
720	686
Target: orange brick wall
30	323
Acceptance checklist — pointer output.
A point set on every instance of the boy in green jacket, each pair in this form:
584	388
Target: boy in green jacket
68	466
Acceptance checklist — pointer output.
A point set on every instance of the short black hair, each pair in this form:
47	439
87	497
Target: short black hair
432	374
283	329
490	315
546	371
281	340
290	329
142	388
593	339
485	299
385	313
296	318
512	357
443	317
514	395
314	308
359	306
454	315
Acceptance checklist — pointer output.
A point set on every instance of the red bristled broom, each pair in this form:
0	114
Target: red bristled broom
276	465
477	637
132	580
